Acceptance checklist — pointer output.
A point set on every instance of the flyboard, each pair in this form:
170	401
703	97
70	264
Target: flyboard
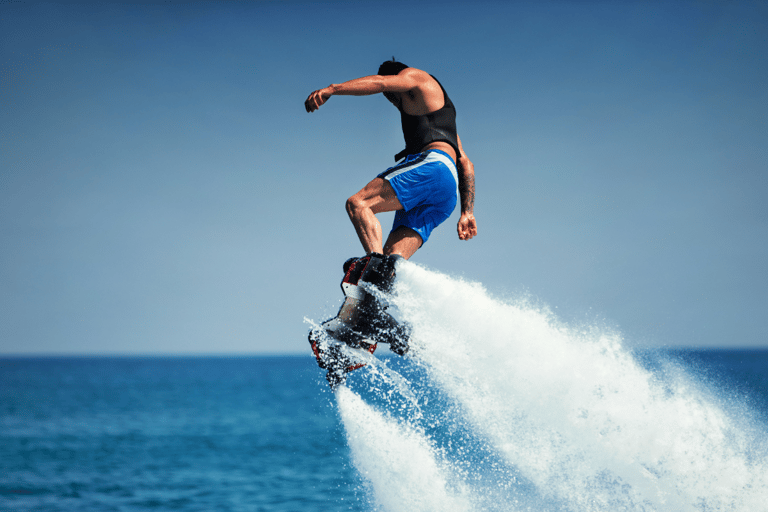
362	321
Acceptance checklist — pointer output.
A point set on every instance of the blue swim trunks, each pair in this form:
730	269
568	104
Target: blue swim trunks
427	186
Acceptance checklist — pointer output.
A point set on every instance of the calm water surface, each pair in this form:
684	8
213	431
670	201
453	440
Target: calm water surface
99	434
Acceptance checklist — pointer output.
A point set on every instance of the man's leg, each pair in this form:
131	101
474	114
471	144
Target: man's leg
376	197
403	241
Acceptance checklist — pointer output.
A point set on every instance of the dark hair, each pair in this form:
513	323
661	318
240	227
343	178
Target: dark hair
391	67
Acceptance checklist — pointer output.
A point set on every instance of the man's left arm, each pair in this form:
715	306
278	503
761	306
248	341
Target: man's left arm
467	226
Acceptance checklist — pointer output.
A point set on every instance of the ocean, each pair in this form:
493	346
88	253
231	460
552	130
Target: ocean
101	434
498	406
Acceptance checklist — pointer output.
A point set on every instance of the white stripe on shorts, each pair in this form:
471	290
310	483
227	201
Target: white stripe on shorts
432	156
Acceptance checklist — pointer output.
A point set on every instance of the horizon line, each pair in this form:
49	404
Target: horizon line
308	354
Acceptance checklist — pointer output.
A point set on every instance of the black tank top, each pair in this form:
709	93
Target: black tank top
439	125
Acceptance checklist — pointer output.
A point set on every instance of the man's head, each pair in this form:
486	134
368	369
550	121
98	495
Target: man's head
391	67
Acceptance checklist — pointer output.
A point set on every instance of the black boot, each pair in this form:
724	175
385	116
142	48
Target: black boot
380	271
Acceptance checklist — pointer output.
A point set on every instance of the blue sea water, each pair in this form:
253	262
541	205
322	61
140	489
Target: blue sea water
241	434
499	406
101	434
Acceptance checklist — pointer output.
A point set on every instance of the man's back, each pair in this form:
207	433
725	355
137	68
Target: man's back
425	98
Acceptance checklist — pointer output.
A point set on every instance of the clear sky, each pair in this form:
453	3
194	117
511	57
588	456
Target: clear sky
162	189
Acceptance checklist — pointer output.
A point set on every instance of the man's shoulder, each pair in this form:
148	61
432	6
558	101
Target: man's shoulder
417	74
424	82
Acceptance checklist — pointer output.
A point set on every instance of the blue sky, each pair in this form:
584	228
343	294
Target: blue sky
162	189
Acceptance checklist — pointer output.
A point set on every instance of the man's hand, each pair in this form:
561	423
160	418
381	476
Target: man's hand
317	98
467	226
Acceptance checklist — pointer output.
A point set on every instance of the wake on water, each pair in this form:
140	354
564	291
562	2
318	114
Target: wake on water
500	406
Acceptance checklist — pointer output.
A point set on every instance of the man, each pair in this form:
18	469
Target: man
422	187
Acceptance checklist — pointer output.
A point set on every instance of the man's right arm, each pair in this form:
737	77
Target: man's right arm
467	226
365	86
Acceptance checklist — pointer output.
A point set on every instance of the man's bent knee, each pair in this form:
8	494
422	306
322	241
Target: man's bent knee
377	196
354	205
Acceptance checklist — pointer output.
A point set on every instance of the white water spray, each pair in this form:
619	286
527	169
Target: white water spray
400	463
567	418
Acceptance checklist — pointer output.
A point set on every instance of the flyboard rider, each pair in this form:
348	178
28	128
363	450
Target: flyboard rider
421	188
